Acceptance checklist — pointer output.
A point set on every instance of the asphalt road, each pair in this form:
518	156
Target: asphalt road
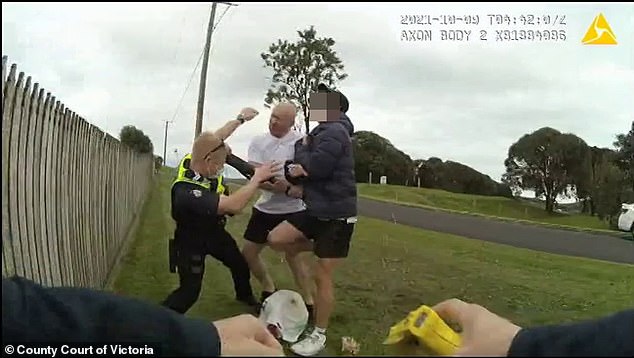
564	242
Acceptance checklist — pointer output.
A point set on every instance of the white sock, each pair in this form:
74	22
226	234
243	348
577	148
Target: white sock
320	330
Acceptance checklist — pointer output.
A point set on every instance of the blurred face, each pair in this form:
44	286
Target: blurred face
282	120
324	106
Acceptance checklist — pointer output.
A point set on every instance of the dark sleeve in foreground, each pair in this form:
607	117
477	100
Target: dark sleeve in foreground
608	336
33	313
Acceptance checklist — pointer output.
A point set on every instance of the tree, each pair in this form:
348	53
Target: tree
158	162
608	192
375	154
612	180
459	178
609	180
429	172
548	162
299	67
136	139
587	189
625	154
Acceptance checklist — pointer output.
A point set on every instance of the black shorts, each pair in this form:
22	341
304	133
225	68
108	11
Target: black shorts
331	236
261	223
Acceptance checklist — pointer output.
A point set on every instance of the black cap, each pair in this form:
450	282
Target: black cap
345	105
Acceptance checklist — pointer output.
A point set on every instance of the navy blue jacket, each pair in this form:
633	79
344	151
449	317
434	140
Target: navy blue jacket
609	336
35	314
330	190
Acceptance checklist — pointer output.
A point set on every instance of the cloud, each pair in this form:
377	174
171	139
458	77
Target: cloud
127	63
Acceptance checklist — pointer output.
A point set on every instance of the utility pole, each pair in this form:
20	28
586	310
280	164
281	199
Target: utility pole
203	72
165	142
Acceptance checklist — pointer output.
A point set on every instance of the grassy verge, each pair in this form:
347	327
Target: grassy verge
497	208
393	269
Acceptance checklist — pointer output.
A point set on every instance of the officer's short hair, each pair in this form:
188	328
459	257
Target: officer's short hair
209	146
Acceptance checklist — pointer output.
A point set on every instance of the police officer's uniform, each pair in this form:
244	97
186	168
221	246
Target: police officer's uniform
201	231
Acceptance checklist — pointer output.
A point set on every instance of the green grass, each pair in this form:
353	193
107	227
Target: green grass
393	269
491	206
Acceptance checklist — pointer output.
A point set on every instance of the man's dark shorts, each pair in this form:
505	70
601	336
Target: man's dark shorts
261	223
331	236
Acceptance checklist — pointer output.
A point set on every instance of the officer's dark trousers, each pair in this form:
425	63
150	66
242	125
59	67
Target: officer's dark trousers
191	267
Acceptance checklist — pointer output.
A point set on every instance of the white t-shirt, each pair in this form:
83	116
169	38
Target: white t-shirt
265	148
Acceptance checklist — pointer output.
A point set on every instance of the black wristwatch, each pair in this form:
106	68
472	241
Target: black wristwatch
240	117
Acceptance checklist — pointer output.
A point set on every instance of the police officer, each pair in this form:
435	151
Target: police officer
199	208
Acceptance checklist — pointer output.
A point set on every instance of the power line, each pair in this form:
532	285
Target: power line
191	77
180	39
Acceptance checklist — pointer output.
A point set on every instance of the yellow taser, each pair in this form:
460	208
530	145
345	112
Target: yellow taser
429	329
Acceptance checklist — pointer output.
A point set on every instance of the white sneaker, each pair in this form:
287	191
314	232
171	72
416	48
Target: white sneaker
310	345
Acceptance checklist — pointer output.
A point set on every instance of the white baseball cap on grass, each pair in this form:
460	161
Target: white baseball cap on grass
285	314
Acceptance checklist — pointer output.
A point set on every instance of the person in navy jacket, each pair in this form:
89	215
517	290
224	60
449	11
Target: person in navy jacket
324	166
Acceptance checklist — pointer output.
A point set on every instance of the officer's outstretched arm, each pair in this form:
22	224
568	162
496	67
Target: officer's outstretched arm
234	203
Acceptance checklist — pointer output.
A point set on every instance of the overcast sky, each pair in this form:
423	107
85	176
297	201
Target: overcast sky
121	63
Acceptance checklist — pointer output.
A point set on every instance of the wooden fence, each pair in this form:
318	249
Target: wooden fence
70	192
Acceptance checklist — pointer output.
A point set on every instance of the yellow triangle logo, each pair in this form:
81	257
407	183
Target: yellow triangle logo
599	33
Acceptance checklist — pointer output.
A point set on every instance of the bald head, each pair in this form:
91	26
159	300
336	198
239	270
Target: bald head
286	110
282	119
209	153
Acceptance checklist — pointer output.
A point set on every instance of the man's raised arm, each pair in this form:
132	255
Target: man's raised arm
225	131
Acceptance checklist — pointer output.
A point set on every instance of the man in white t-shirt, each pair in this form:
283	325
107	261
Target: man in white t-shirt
280	201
